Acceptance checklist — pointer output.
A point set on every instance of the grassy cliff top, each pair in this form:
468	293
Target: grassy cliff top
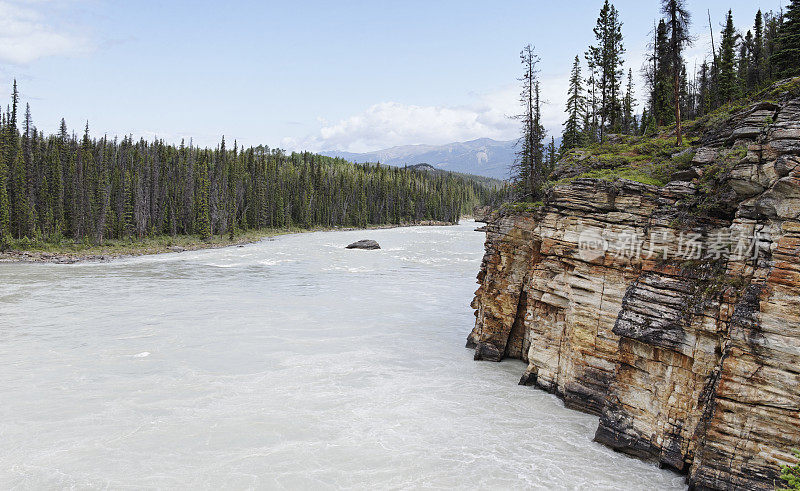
646	159
655	159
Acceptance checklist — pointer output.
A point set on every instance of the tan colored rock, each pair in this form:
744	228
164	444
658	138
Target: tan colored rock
693	363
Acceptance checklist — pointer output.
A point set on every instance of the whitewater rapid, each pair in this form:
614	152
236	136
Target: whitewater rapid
289	363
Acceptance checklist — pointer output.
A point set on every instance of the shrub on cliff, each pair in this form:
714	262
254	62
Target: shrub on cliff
791	474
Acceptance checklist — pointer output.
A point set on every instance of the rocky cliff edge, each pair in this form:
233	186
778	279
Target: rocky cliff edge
659	288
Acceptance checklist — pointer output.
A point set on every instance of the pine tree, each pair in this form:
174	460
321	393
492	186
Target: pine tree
5	203
607	57
704	95
29	188
203	208
728	86
787	52
678	22
14	170
772	25
628	103
19	199
745	62
754	75
684	93
551	156
539	169
89	198
591	121
662	103
572	136
530	172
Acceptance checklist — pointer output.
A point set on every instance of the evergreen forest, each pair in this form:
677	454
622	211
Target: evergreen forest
67	187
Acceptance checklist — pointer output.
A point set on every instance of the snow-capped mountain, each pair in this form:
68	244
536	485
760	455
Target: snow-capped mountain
482	157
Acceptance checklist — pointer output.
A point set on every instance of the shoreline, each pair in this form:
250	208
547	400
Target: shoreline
165	244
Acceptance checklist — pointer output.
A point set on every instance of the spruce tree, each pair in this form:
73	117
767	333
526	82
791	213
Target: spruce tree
728	86
5	203
203	208
662	104
704	92
787	52
754	76
551	157
591	122
607	57
13	179
572	136
628	103
745	61
772	24
678	22
19	199
29	190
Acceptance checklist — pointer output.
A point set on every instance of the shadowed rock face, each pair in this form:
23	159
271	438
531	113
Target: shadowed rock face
694	363
364	244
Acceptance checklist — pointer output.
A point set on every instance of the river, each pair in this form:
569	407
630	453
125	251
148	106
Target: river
288	363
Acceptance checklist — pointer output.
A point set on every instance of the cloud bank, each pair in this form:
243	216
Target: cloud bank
387	124
27	35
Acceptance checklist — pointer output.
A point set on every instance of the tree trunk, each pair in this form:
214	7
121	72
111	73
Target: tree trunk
676	95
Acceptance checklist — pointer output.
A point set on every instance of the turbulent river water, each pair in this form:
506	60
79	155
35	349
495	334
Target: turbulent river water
289	363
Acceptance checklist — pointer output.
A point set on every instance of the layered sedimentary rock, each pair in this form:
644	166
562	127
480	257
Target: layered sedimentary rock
681	333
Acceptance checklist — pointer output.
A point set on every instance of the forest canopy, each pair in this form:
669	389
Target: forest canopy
61	186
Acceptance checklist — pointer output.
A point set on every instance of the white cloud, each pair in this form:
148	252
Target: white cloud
387	124
27	35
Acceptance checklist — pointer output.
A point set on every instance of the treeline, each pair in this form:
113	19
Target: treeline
738	64
64	186
601	95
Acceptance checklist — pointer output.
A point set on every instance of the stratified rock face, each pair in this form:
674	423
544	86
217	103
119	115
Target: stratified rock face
691	358
481	213
364	244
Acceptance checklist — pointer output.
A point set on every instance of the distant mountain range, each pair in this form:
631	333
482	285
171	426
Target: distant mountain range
482	157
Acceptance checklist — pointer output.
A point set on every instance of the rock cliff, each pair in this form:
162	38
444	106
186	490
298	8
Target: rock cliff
671	311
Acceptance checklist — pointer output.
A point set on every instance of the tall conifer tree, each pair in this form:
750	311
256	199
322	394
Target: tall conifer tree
788	42
203	208
663	95
728	87
754	77
572	136
628	103
607	57
678	22
530	172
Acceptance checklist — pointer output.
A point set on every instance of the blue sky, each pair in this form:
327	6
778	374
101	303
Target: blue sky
346	75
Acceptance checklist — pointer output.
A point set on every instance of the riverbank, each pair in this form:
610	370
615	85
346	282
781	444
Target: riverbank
69	252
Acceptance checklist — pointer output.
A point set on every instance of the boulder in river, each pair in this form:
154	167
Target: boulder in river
364	244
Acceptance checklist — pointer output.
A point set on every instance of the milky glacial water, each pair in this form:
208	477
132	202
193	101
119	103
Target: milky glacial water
291	363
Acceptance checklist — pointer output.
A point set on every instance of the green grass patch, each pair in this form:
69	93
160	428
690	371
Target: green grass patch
522	206
648	160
